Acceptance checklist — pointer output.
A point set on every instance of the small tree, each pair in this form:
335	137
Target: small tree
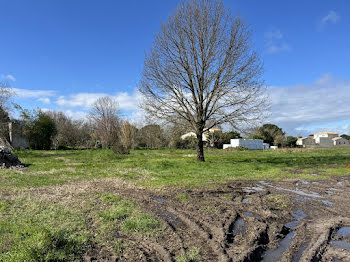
345	136
271	134
127	134
203	70
104	115
40	131
70	133
150	136
218	138
291	141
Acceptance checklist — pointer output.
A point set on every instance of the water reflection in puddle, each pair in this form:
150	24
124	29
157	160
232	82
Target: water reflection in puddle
239	226
300	252
340	244
276	254
298	215
249	214
160	200
344	232
245	201
236	228
327	203
297	191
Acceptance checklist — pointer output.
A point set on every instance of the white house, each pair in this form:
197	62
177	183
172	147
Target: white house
204	135
337	141
325	136
323	139
306	141
252	144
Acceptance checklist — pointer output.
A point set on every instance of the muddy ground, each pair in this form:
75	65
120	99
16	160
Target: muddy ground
243	221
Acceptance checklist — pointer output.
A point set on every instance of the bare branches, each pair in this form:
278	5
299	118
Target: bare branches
104	115
5	93
202	69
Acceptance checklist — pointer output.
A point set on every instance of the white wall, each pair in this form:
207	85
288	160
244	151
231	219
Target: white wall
252	144
317	137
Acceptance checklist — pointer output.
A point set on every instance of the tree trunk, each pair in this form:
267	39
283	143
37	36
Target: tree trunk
200	150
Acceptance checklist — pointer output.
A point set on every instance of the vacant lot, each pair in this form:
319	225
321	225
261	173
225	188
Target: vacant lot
163	205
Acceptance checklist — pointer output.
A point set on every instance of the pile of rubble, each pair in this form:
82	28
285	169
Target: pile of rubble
9	159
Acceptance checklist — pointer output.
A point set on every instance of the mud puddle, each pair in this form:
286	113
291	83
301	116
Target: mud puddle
300	252
276	254
344	232
327	203
159	200
238	227
243	225
340	244
297	191
298	215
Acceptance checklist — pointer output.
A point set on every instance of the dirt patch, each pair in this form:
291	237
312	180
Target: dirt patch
242	221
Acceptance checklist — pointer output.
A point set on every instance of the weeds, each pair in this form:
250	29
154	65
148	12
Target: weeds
278	201
183	197
189	256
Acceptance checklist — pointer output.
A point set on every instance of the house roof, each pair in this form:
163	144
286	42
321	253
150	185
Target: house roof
302	138
337	138
326	132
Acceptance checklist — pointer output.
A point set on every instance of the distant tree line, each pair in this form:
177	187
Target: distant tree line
104	128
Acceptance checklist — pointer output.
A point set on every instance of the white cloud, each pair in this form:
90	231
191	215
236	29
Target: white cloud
276	48
8	77
311	106
332	17
125	100
274	41
76	115
27	93
273	33
44	100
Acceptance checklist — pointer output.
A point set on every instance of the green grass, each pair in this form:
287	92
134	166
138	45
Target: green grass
277	201
177	168
183	197
190	256
38	223
47	231
124	214
33	232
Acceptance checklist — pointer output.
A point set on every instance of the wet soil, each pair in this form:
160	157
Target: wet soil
295	220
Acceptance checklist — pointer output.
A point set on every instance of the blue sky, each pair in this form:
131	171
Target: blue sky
62	55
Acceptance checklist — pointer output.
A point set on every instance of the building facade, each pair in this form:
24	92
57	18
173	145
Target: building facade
322	139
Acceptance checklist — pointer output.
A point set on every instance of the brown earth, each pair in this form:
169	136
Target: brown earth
243	221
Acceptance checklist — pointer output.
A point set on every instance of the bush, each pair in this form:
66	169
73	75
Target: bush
238	148
120	149
217	139
187	143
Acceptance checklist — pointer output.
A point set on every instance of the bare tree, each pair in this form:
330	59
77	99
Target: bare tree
5	93
70	133
202	69
104	114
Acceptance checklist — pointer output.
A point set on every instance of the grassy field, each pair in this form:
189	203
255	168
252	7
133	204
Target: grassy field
175	167
44	216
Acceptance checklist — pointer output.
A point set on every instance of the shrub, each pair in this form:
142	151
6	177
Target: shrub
119	149
187	143
238	148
